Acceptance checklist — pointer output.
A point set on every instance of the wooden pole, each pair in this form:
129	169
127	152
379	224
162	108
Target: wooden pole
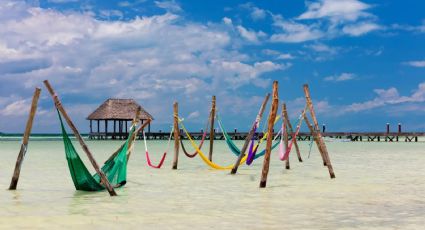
285	133
133	138
250	134
318	134
313	133
297	148
176	134
25	139
272	117
59	106
136	120
212	130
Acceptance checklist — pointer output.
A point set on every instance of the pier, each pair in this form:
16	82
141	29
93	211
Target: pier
302	136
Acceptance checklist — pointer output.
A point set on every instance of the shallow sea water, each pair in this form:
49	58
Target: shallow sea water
377	186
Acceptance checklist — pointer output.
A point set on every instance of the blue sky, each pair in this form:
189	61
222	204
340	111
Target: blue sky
364	60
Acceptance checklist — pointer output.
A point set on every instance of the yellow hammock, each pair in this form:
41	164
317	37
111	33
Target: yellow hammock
202	155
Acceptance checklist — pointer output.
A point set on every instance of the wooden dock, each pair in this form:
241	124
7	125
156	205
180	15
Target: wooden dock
303	136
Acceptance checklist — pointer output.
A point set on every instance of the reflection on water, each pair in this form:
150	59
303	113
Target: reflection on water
378	185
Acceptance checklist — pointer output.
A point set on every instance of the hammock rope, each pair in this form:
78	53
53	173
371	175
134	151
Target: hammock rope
204	135
148	159
115	168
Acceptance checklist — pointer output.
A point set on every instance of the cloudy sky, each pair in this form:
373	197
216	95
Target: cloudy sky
364	60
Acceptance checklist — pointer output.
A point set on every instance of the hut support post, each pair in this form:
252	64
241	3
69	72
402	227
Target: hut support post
250	134
25	139
285	133
272	117
59	106
325	154
176	134
297	148
106	129
212	130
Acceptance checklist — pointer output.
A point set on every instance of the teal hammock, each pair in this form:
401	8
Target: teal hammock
115	169
232	146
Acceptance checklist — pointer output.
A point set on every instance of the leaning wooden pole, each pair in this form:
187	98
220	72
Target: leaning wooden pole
291	130
272	117
285	133
135	121
313	134
176	134
250	134
24	145
77	134
212	128
133	138
318	134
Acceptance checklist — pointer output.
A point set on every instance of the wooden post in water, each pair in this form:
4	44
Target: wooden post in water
135	121
212	130
250	135
272	117
59	106
297	148
285	133
313	133
176	134
24	145
318	134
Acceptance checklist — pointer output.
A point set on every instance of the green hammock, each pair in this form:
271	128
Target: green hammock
232	146
115	169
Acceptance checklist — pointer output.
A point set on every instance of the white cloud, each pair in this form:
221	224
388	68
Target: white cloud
250	35
337	10
170	6
322	48
360	28
293	32
227	21
285	57
257	13
194	114
341	77
391	97
419	64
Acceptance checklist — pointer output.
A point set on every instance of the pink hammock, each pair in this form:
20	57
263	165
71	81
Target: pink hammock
283	152
148	159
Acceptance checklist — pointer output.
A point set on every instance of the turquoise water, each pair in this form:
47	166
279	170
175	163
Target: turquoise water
378	186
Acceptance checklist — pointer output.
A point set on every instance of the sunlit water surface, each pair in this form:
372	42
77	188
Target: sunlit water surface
377	186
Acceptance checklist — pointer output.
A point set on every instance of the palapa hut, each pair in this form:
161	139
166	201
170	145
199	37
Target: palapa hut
115	113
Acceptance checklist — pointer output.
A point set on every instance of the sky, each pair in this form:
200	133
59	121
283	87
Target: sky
364	60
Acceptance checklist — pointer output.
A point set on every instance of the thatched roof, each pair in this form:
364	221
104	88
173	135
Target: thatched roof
118	109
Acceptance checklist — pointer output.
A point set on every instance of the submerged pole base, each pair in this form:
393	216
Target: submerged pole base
263	184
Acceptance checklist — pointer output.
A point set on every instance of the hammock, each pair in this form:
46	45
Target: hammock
192	155
232	146
115	169
202	155
148	159
283	152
